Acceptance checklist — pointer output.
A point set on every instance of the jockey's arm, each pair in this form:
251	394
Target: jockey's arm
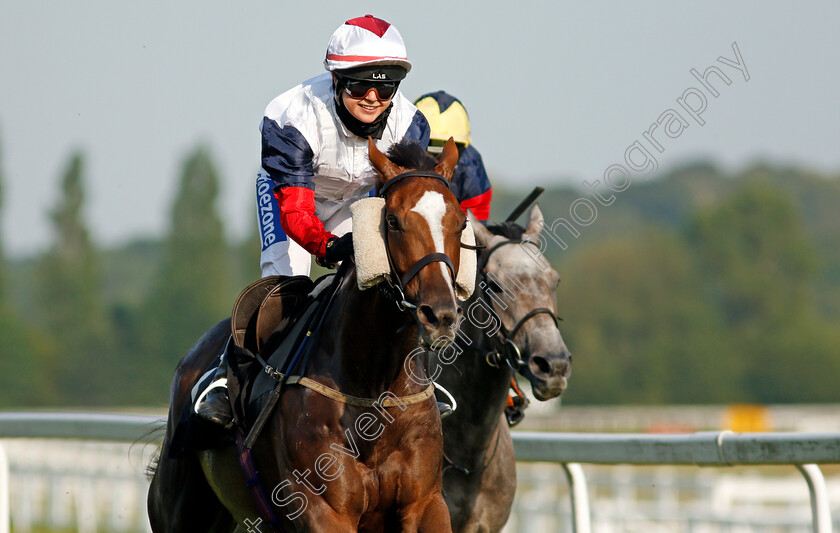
288	159
297	216
471	184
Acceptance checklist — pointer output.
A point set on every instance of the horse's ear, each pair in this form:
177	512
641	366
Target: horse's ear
448	159
381	163
482	234
535	221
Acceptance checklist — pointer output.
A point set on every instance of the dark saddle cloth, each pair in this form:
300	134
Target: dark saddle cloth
269	318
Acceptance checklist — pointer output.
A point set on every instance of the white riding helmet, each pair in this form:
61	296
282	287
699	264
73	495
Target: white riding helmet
365	41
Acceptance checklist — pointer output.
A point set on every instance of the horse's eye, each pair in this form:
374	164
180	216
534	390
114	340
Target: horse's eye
464	225
393	223
492	286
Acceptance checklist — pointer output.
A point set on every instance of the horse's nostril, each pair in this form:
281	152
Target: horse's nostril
542	364
429	314
448	318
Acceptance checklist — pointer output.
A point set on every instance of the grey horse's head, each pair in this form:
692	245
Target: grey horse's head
519	280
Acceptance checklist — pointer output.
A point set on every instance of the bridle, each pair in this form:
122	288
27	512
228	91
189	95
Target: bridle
394	287
507	350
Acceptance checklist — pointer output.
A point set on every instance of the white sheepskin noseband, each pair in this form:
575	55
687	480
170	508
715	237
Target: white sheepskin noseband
371	254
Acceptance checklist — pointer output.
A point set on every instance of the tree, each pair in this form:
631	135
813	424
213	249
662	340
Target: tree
638	325
2	255
22	356
192	291
760	268
756	255
247	254
70	299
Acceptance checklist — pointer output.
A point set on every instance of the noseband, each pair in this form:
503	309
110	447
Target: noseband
396	291
509	352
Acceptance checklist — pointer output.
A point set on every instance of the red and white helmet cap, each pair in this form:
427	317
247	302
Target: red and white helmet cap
366	41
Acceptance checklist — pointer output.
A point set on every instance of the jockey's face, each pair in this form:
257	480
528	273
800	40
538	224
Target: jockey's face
366	109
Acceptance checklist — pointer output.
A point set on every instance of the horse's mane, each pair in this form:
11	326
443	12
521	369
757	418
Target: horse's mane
510	230
411	155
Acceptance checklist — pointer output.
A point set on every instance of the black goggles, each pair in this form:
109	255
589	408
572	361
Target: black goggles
385	90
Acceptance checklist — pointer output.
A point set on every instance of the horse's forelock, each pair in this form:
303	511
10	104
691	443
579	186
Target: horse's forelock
411	155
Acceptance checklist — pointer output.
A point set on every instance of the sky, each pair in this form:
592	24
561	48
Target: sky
556	92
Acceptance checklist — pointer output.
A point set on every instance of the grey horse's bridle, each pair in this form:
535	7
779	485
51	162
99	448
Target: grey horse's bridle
508	351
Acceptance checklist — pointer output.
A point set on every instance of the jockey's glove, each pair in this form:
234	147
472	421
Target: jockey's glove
338	249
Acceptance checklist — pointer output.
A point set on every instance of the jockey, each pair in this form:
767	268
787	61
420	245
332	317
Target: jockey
315	160
447	118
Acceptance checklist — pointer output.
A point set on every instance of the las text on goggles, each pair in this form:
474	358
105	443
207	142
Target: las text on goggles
359	88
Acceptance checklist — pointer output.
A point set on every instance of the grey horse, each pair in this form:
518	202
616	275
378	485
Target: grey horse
515	287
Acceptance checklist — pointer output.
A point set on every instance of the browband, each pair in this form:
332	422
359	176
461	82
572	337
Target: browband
412	173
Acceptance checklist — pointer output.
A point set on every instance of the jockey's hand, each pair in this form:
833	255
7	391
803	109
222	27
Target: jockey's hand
338	249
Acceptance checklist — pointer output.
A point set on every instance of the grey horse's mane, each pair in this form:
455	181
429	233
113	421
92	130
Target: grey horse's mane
510	230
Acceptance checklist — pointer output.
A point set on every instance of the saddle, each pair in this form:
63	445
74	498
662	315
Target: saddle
264	308
260	318
269	321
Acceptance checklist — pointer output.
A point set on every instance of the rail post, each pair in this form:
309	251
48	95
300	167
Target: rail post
5	495
820	510
579	493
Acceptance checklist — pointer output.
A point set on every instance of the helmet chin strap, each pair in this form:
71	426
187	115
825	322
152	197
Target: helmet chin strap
361	129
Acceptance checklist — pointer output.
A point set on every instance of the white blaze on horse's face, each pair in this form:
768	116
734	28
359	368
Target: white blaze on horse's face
432	207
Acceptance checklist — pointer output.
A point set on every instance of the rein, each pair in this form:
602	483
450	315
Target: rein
470	471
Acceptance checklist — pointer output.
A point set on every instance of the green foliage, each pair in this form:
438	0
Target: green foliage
71	305
637	323
760	268
698	287
27	364
246	254
756	255
193	289
23	353
2	256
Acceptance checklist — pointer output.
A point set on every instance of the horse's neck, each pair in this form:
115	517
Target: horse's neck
364	352
481	391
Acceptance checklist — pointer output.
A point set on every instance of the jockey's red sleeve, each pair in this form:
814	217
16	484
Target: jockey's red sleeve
297	216
479	205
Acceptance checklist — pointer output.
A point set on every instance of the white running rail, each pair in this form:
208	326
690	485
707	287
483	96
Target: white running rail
803	450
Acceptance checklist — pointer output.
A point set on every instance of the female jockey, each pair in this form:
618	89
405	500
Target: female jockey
314	145
315	161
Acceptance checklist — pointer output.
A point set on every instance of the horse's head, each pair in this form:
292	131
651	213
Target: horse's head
423	224
521	288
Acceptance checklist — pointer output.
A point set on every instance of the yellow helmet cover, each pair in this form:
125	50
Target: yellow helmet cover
447	118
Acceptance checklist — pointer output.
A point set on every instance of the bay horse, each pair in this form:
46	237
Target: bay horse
329	465
516	286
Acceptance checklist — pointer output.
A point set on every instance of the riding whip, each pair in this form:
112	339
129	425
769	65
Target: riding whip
523	205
